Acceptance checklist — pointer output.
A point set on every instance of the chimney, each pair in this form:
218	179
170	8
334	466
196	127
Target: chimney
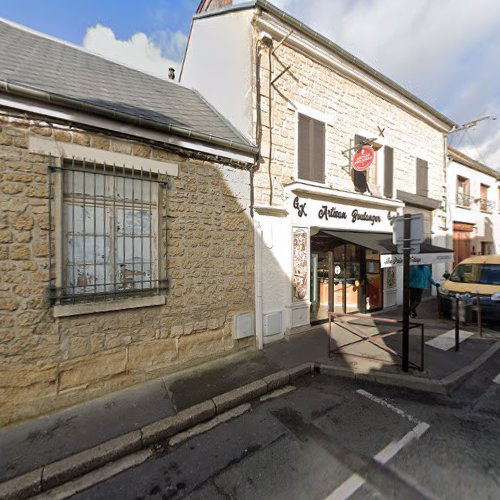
210	5
171	73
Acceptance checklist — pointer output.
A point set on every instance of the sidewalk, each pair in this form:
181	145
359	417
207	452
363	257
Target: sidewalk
44	440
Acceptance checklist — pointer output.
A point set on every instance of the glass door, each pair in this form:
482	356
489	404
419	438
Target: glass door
352	278
320	285
373	281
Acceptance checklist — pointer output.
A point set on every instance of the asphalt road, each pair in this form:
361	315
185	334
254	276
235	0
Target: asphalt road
331	439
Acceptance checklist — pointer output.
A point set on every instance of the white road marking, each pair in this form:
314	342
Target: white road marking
447	340
497	379
383	402
351	485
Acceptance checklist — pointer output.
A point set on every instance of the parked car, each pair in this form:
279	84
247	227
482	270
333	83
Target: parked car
472	277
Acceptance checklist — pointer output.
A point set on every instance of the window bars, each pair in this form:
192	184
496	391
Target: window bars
110	240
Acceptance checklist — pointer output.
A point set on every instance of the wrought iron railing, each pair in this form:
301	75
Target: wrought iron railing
486	205
464	200
107	225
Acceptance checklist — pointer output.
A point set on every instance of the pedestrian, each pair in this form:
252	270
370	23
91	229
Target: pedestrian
420	278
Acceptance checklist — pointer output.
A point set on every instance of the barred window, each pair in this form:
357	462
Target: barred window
111	231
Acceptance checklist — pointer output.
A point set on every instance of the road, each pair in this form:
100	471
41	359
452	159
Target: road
330	439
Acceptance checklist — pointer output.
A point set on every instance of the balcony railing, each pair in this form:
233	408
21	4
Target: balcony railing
464	200
486	205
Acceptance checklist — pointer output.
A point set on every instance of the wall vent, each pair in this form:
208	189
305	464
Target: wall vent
272	324
243	325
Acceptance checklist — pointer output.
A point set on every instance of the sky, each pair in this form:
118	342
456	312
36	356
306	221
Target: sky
447	52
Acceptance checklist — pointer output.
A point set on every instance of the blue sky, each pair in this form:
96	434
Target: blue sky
447	52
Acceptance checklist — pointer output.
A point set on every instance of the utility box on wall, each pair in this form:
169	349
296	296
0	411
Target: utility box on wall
272	324
243	326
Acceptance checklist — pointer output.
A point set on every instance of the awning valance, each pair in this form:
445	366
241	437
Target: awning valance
389	256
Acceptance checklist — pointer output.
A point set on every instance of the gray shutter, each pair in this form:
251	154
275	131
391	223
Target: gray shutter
304	154
359	178
422	178
388	172
311	149
318	152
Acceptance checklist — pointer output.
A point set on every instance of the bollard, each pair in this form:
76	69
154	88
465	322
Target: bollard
478	311
457	322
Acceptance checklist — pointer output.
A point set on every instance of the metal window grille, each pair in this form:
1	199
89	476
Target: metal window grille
112	221
464	199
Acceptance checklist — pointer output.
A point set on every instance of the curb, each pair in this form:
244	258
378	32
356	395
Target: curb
443	386
66	469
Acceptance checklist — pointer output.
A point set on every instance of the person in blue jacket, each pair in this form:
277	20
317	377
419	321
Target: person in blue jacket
420	279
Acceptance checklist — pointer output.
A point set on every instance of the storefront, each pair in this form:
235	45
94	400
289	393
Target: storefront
344	265
349	264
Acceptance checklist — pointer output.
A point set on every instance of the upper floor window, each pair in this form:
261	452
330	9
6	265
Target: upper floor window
378	179
422	178
463	192
111	225
484	204
311	149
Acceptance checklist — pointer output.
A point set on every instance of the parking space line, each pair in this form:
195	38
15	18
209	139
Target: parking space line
351	485
447	340
497	379
355	481
384	403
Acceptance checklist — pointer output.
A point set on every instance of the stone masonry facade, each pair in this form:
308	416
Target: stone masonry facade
48	363
352	109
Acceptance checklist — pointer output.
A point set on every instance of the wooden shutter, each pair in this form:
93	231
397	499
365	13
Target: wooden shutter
304	167
422	177
388	172
318	157
311	149
359	178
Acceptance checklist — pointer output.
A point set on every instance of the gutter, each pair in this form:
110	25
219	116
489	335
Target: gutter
40	95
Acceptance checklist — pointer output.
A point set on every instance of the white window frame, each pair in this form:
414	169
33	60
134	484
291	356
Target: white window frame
302	109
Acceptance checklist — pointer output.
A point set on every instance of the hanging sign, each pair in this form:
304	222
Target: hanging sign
362	159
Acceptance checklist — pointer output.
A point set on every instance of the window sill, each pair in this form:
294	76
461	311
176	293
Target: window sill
62	311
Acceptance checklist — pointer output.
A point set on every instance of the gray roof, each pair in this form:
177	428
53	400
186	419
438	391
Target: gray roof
43	68
336	49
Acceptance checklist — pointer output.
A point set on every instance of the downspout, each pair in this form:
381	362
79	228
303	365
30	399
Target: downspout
257	227
258	285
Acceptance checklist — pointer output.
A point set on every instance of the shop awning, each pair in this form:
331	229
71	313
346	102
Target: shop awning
389	256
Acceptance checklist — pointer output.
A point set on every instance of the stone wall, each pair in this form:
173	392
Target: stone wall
48	363
351	109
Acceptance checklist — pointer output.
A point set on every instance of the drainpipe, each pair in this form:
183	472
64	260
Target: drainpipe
258	285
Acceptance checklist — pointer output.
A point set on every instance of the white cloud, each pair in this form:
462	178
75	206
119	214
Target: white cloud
446	51
139	51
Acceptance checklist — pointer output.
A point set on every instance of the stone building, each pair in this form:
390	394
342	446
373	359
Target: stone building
126	245
323	229
474	206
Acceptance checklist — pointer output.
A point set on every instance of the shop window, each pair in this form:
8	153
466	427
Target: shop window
311	149
463	192
111	224
422	178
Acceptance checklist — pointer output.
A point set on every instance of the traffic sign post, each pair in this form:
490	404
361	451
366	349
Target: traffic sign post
408	233
406	290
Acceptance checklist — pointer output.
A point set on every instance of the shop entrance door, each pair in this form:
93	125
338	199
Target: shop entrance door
347	278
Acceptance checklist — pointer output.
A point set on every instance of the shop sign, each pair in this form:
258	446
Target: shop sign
339	216
363	158
390	260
